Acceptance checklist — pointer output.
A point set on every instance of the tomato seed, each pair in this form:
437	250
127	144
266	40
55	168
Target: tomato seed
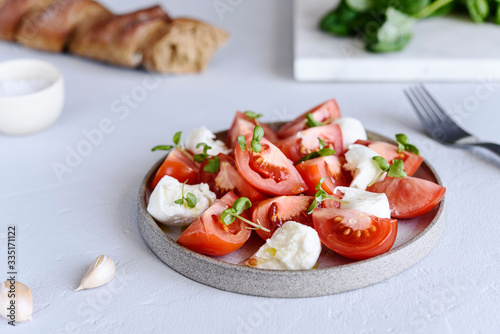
367	234
358	233
373	228
347	231
338	219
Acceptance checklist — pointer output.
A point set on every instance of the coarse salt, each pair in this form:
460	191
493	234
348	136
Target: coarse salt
18	87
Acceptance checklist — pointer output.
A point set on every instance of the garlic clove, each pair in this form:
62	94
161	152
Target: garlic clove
100	272
16	301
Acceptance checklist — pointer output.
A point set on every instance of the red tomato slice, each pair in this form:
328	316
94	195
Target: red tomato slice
229	179
325	111
272	213
389	152
409	196
242	125
297	146
269	171
354	234
208	235
312	171
178	165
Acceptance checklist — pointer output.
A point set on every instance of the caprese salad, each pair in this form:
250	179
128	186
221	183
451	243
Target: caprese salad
318	181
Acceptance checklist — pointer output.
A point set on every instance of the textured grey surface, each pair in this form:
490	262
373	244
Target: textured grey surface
282	283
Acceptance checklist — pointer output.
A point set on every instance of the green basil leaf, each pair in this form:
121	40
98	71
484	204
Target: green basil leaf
177	138
227	216
241	204
191	200
212	166
311	122
402	138
312	207
401	147
258	133
324	152
252	115
241	142
199	157
318	186
397	169
256	146
179	201
162	148
382	163
393	34
411	148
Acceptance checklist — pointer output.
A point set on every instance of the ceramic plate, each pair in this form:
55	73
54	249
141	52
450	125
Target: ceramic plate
416	237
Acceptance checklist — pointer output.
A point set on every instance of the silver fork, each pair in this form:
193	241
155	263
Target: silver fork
439	124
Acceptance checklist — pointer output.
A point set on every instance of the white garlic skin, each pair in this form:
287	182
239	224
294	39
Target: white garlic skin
100	272
23	301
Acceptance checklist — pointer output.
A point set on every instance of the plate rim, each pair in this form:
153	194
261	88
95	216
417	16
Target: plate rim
145	221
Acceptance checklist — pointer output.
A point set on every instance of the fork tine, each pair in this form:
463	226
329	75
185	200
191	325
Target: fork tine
426	106
435	106
419	108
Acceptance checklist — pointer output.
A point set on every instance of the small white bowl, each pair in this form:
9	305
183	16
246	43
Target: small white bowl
28	113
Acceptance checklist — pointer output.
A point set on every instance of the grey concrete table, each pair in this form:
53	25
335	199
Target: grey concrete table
66	219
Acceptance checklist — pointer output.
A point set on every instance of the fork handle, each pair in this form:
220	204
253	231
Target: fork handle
495	148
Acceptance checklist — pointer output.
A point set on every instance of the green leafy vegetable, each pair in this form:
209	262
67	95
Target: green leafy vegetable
255	145
228	216
393	34
190	199
386	25
404	144
322	152
212	166
394	170
311	122
176	140
320	196
252	115
202	156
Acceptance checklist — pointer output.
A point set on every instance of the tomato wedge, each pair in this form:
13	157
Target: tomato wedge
354	234
409	196
299	145
411	160
208	235
243	125
269	171
272	213
228	179
179	165
312	171
326	111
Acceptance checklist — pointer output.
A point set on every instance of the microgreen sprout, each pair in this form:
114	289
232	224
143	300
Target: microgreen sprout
252	115
320	196
228	216
255	145
322	152
394	170
311	122
404	144
190	199
213	161
176	139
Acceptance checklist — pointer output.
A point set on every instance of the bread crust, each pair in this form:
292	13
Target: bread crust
11	12
121	39
51	26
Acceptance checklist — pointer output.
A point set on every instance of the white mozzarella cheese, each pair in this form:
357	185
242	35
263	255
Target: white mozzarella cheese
203	135
362	166
352	130
371	203
293	246
162	207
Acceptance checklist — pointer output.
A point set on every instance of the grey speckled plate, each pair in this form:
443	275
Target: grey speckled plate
416	238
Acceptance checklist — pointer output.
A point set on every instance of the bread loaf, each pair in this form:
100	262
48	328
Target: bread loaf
186	46
121	39
50	27
147	37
